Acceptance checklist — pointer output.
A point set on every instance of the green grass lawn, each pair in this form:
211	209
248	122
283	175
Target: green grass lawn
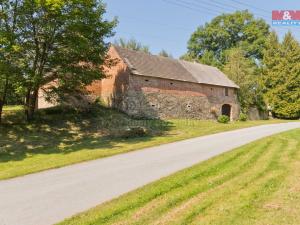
58	138
258	183
12	108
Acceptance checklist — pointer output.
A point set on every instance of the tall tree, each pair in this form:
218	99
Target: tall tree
9	49
61	42
4	85
244	73
281	76
132	44
239	29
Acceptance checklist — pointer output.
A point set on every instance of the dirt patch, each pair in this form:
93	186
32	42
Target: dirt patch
272	206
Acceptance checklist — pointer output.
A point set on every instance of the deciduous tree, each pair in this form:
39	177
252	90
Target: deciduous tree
239	29
244	73
64	42
10	75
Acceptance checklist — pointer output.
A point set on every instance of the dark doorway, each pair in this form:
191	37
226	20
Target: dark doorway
226	110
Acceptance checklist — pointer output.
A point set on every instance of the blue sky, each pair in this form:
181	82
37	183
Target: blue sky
168	24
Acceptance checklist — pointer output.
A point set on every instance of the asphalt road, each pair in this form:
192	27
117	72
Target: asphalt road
49	197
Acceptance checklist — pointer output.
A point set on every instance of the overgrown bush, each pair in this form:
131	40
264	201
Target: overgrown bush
223	119
243	117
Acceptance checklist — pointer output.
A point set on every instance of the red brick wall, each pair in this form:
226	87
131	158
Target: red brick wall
112	88
151	84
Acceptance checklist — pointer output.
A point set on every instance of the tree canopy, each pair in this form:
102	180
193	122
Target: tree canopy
61	41
244	72
132	44
10	75
239	29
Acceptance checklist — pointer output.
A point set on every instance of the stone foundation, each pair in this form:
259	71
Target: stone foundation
162	105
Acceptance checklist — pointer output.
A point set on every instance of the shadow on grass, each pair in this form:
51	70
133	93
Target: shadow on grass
59	131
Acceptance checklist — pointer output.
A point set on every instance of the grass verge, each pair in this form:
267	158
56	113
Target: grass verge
59	138
254	184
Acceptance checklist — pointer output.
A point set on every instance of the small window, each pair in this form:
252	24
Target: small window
226	91
211	89
146	80
171	83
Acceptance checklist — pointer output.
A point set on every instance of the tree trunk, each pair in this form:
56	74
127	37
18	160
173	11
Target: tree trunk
26	103
1	109
3	98
30	103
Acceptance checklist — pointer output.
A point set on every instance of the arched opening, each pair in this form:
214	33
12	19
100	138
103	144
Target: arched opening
226	110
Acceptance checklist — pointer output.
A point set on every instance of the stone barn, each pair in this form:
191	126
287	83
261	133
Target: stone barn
149	86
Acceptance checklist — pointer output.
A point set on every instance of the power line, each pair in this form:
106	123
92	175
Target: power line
148	35
188	7
135	19
254	7
214	5
260	15
197	5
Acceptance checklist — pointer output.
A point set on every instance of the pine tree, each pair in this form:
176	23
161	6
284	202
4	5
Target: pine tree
281	76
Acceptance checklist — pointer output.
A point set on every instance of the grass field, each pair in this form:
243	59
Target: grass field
59	138
258	183
12	108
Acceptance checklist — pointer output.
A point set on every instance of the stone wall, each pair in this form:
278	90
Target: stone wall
163	98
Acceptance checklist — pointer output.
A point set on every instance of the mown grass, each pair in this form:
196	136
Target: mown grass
13	108
258	183
58	138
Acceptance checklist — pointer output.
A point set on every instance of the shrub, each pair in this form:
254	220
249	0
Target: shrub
243	117
223	119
